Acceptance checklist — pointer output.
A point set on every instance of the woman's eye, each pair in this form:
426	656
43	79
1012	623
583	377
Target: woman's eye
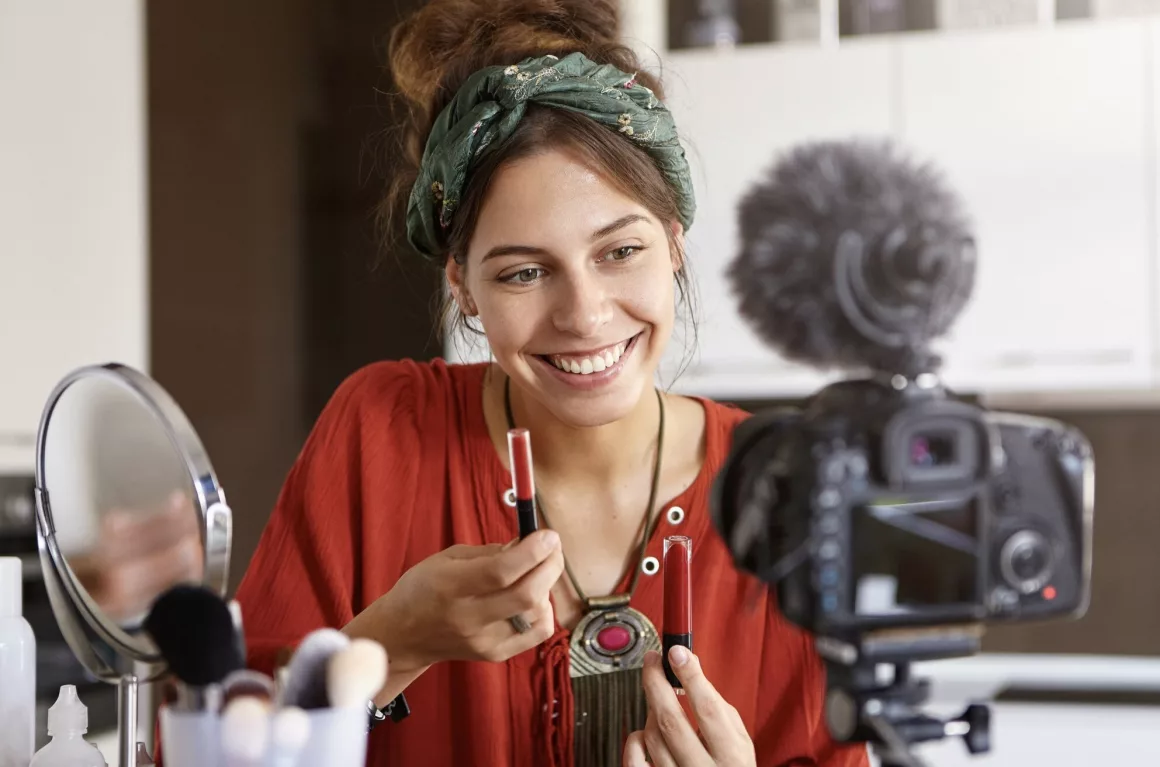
619	254
524	275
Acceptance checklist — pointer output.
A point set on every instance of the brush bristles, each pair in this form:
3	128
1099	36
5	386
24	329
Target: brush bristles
356	673
307	671
289	730
193	629
245	728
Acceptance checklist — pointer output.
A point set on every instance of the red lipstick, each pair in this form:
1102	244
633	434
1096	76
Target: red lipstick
678	630
520	458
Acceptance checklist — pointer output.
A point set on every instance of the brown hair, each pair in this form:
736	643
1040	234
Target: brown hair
434	50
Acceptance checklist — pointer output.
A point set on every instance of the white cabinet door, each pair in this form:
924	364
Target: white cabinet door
73	238
1154	129
737	112
1046	134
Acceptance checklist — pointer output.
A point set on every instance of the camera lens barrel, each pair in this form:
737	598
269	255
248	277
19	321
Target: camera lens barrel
1026	561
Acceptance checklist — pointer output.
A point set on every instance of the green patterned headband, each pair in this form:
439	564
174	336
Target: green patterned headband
490	105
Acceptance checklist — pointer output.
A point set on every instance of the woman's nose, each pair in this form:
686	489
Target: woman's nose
582	308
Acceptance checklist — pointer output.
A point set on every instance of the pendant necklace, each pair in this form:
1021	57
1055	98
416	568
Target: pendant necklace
608	645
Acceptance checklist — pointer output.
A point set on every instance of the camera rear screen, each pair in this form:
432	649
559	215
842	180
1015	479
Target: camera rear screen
913	556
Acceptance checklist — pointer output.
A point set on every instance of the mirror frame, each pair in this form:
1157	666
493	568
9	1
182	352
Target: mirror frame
102	646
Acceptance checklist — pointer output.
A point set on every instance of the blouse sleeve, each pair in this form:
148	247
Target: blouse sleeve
306	571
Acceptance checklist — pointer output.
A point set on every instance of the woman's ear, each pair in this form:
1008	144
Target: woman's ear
459	292
678	249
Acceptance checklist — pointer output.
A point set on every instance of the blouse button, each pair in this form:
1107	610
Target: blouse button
650	565
675	515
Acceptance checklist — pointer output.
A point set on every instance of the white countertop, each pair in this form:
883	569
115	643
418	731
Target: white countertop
106	743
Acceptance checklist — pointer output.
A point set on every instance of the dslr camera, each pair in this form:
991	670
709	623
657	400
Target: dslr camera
901	506
894	518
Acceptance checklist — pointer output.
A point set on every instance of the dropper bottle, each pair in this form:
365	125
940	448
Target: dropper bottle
68	721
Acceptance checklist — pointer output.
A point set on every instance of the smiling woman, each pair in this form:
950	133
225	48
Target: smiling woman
573	282
549	184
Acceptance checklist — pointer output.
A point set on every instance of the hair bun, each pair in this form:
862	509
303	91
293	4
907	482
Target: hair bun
434	50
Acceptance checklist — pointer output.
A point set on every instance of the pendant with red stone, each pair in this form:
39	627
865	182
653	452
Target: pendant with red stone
613	639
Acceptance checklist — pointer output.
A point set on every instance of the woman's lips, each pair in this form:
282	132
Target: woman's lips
594	379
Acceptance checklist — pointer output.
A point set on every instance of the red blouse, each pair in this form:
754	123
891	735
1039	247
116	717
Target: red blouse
399	467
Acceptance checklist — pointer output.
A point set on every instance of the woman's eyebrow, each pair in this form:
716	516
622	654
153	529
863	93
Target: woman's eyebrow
619	223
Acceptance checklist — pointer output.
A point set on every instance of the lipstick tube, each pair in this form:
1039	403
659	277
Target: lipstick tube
520	459
678	628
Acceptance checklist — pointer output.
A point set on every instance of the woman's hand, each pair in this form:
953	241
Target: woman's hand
669	740
456	605
138	555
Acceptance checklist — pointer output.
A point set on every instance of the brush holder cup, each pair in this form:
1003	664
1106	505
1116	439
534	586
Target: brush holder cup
337	737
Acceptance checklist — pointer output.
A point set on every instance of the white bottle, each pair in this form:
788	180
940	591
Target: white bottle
17	670
68	720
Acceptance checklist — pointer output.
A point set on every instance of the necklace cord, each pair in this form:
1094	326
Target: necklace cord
649	521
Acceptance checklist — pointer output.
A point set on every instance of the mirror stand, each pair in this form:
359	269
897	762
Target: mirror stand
127	721
111	439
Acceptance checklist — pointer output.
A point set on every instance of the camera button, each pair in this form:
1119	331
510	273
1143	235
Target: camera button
829	498
834	470
675	515
828	550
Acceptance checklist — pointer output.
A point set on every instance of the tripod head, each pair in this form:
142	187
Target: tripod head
861	706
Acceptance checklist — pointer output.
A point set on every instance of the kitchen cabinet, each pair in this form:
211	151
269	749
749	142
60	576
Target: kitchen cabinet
1048	133
1045	134
737	110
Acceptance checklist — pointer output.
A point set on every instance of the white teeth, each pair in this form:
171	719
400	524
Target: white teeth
594	364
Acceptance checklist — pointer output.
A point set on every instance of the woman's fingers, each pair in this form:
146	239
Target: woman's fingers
655	744
634	751
668	720
716	719
527	594
719	723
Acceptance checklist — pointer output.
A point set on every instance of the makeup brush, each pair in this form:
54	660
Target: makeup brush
239	628
194	632
247	682
289	732
355	674
245	731
306	674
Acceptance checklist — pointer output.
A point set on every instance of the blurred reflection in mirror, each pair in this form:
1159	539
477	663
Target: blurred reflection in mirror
121	499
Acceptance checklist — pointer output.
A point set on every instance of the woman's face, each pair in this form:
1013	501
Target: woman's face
573	284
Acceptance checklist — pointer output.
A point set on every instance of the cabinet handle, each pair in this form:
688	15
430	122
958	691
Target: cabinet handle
1061	359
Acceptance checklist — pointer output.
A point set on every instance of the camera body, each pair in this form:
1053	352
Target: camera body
885	502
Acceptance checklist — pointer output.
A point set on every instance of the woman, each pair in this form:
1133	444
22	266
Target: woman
550	186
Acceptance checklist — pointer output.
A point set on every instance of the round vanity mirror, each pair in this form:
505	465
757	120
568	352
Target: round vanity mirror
128	506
